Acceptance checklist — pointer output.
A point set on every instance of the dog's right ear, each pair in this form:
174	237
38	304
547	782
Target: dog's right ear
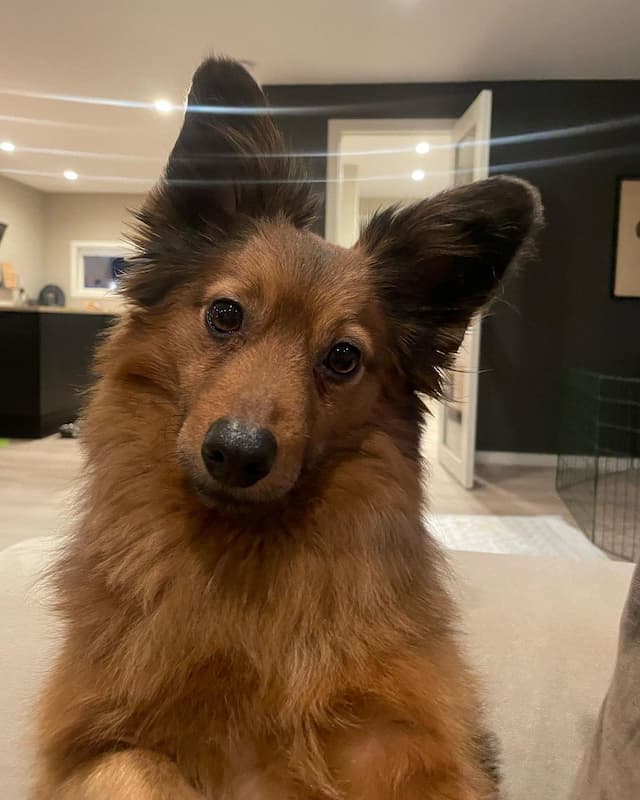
439	261
228	164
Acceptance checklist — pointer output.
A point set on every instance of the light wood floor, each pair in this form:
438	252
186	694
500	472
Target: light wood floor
37	478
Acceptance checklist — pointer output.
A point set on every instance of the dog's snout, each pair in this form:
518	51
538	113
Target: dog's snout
238	454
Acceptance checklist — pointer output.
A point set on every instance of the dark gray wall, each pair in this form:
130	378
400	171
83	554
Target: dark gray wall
559	312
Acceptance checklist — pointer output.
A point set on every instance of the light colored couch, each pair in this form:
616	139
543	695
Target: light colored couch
542	632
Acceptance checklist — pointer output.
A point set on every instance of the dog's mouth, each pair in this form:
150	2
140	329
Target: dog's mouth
219	498
237	500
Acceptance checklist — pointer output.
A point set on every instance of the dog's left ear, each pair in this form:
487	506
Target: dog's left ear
437	262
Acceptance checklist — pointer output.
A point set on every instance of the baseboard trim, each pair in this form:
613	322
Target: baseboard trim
499	457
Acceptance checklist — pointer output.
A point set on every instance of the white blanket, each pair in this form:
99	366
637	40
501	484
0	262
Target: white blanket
541	631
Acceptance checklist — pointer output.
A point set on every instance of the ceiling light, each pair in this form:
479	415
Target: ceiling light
163	106
8	147
422	148
418	175
70	175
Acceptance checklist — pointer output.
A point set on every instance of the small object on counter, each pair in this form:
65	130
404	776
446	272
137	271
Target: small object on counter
70	430
9	277
51	295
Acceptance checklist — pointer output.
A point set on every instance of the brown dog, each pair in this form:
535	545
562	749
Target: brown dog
253	608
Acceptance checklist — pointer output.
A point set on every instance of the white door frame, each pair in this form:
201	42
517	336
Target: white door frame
342	127
462	465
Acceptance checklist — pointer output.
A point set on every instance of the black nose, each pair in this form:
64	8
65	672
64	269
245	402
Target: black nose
237	453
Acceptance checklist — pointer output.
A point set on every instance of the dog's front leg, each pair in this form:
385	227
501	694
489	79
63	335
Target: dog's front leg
392	762
127	775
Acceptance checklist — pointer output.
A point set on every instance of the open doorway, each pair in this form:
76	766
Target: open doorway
376	163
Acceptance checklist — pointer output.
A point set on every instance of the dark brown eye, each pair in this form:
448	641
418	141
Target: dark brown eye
343	359
224	316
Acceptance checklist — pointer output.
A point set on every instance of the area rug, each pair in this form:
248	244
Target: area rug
547	535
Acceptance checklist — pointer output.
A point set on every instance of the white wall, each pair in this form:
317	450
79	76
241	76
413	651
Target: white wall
89	217
41	227
23	210
369	205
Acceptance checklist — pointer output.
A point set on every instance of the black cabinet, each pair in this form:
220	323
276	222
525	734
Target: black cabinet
45	359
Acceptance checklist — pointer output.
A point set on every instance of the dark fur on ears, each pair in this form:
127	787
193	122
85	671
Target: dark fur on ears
226	167
439	261
233	162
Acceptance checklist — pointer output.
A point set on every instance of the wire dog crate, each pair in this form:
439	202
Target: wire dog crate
598	472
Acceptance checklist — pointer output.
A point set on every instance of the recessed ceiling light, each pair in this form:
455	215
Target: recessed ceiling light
70	175
163	106
422	148
8	147
418	175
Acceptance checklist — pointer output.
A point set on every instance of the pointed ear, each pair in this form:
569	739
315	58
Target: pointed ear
230	157
229	164
437	262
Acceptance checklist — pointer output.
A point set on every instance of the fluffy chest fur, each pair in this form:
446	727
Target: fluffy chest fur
245	649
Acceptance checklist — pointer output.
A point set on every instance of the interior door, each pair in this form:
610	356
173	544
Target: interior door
457	417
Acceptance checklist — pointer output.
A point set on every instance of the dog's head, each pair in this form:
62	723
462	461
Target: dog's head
278	352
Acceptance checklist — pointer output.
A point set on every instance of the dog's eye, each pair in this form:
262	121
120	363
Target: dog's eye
343	359
224	316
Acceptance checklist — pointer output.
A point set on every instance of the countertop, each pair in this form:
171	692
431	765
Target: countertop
59	310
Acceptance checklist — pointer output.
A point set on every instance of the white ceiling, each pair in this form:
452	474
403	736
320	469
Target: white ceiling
384	163
138	51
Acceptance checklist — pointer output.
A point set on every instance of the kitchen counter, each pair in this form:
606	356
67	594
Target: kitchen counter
60	310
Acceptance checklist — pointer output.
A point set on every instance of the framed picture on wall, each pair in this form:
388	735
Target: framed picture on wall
626	262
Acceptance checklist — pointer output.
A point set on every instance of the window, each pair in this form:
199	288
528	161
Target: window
96	267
